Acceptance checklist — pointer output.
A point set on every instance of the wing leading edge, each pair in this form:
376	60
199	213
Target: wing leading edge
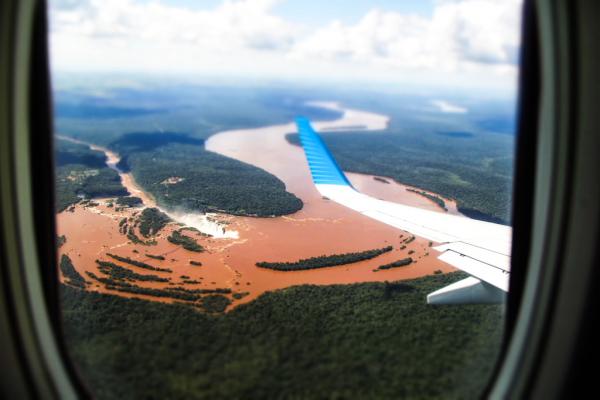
481	249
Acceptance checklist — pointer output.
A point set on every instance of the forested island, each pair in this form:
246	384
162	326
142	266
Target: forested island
72	277
127	287
324	261
380	179
186	242
119	273
367	340
82	173
198	109
436	199
138	264
123	279
179	173
151	221
129	201
396	264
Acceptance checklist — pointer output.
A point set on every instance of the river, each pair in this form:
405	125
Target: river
321	227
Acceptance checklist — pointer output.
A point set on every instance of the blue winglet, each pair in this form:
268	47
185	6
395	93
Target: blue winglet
322	165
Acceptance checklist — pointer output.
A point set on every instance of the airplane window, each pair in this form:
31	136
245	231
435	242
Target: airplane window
284	199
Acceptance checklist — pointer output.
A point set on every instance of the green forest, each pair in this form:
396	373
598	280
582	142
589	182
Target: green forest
118	273
138	264
160	104
151	221
188	243
324	261
82	172
396	264
201	180
367	341
66	152
72	277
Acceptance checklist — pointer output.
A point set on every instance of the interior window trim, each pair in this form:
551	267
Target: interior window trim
39	337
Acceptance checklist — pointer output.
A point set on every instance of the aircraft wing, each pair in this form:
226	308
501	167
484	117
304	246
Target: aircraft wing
481	249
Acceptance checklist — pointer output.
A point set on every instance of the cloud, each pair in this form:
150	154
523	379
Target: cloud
460	36
232	25
449	108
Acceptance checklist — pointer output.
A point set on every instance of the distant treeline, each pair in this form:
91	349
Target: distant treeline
200	110
66	152
129	201
127	287
324	261
95	111
119	273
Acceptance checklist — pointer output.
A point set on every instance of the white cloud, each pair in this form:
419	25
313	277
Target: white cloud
231	26
65	4
462	38
449	108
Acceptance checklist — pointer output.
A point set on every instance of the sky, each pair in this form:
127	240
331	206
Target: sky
470	44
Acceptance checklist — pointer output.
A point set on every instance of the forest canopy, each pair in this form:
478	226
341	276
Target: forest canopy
82	173
366	340
181	174
324	261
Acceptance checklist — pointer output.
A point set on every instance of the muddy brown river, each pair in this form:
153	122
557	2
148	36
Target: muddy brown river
320	228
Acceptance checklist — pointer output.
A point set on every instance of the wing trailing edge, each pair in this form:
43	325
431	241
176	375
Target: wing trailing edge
467	291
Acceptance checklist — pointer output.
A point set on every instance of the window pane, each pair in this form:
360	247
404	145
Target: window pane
284	199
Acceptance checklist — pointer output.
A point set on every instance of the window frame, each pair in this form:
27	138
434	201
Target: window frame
547	189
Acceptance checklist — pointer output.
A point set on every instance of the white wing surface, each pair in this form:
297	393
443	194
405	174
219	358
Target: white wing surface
481	249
